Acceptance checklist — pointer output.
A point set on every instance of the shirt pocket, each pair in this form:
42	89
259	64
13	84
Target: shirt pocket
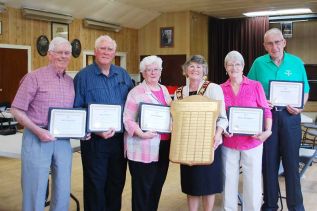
96	95
123	89
43	95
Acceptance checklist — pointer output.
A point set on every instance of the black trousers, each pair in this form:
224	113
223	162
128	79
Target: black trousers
104	168
283	144
148	179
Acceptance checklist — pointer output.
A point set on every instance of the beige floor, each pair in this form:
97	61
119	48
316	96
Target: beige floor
172	199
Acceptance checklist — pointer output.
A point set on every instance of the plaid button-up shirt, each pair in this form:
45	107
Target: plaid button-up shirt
42	89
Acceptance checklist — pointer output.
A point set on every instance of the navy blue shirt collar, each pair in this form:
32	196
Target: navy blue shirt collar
113	71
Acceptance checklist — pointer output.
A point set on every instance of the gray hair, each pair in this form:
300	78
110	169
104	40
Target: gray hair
106	38
196	59
57	41
234	56
150	60
273	31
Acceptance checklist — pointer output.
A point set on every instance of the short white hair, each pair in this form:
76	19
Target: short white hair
273	31
234	56
106	38
57	41
150	60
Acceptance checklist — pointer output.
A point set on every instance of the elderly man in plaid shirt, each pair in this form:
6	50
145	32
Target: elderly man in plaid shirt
39	90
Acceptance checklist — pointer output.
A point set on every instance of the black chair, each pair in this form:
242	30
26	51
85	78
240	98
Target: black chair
4	106
8	125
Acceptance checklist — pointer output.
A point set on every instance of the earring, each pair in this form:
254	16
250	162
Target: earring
226	73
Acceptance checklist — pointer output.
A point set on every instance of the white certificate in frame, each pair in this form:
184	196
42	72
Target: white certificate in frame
102	117
154	117
245	120
67	123
283	93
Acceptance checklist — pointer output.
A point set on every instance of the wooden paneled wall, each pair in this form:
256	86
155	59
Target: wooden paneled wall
190	34
303	43
149	35
199	34
19	31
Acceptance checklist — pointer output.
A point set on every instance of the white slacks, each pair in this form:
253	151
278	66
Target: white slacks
251	163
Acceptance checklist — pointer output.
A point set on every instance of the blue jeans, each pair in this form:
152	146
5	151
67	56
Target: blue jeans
38	158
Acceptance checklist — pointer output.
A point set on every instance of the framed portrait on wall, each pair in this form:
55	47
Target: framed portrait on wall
166	37
59	30
287	29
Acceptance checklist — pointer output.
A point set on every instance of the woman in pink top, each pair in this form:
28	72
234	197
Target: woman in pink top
147	151
238	150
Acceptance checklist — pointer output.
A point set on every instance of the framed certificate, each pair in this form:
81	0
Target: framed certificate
245	120
155	117
283	93
102	117
67	123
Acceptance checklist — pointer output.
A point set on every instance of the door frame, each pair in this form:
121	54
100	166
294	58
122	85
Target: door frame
122	55
26	47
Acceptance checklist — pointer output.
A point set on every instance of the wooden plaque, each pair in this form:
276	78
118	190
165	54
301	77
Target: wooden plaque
194	125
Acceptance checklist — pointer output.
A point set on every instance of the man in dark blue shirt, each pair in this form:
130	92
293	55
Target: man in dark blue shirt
104	165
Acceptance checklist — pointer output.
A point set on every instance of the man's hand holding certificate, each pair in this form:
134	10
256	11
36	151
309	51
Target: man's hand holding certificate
284	93
102	118
67	123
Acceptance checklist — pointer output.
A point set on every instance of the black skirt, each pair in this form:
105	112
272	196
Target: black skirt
203	180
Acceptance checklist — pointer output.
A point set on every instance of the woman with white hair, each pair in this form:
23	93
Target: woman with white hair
238	150
147	151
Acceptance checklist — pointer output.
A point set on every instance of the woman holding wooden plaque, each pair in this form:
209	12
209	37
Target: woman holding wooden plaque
203	181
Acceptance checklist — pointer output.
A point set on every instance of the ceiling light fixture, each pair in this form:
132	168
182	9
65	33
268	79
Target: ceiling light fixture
278	12
293	18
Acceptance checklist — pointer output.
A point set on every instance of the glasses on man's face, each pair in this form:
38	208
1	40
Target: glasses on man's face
61	53
237	65
277	43
154	70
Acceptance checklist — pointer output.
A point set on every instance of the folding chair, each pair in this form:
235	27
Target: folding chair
309	134
306	158
8	125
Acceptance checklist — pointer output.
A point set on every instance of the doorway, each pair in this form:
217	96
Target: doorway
172	74
14	64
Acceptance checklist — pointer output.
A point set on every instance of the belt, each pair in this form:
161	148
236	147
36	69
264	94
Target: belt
278	108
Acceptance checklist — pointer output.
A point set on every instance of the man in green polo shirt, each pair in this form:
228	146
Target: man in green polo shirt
285	140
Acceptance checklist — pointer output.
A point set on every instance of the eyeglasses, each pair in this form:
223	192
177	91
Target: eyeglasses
277	42
155	70
237	65
61	53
